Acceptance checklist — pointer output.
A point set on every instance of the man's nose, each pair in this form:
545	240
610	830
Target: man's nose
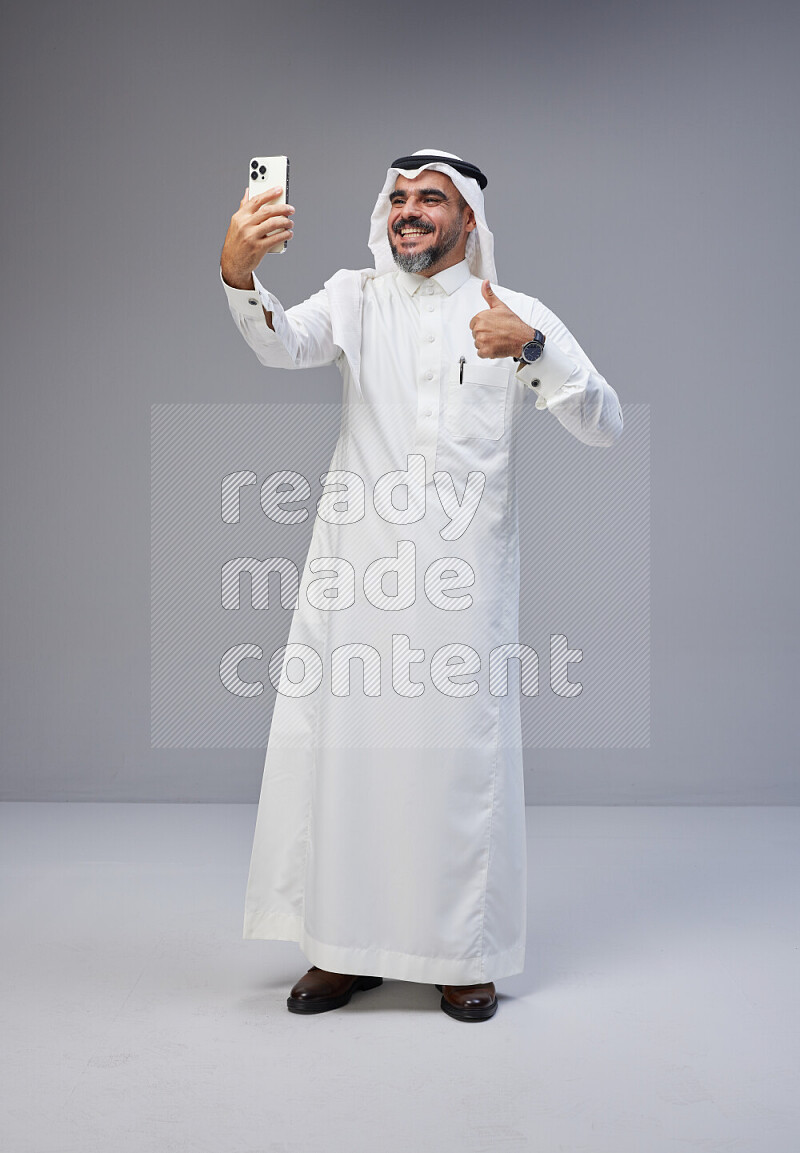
410	211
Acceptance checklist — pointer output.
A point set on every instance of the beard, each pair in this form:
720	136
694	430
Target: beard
422	261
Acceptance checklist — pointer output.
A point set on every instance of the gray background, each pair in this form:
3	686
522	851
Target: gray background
643	175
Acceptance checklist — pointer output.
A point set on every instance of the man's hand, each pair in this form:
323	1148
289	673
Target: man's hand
498	331
256	226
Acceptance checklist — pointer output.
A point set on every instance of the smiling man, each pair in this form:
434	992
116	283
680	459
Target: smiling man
429	219
390	837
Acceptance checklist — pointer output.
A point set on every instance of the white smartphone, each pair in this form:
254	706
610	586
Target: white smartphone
269	172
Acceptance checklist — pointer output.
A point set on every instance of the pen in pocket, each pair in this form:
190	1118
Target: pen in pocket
461	363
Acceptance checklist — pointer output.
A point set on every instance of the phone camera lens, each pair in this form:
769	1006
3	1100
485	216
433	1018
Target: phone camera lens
262	169
254	164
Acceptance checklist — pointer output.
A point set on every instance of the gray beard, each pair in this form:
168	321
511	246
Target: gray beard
415	262
422	261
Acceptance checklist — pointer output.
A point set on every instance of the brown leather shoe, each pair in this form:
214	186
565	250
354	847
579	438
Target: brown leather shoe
469	1002
318	991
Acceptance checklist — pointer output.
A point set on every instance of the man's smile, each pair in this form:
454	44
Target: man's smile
412	231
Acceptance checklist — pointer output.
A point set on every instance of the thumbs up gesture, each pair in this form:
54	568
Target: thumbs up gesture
497	331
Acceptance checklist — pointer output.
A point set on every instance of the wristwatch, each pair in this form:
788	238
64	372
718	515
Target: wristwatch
533	349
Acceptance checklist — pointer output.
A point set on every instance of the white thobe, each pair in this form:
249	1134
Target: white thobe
390	836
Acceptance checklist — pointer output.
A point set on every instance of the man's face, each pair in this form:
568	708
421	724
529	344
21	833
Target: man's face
428	223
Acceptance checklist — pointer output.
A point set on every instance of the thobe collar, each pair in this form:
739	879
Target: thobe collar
448	280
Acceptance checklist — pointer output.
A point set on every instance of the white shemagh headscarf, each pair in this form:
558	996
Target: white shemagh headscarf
480	242
345	288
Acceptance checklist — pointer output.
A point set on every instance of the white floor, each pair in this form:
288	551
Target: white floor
658	1010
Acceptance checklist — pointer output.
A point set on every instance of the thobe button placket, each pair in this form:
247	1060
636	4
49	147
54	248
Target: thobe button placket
428	381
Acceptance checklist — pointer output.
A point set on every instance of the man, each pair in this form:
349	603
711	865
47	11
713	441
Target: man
390	838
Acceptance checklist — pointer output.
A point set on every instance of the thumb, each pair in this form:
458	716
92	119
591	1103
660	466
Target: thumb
488	295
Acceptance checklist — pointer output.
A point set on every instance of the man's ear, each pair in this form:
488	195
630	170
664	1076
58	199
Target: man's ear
469	220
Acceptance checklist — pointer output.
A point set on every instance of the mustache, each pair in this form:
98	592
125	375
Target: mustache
422	225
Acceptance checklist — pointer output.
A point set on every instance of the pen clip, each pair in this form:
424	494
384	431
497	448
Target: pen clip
461	363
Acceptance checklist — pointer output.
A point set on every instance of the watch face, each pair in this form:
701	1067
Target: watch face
532	351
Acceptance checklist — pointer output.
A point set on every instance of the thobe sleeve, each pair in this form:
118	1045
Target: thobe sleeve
302	336
566	382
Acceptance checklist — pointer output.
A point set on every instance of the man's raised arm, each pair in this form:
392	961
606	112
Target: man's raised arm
301	336
257	225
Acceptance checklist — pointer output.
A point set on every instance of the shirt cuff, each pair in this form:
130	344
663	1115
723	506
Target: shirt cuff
280	324
243	301
247	303
547	375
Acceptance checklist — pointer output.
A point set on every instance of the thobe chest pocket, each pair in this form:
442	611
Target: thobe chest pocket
476	402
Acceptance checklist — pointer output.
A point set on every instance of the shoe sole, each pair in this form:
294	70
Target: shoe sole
482	1014
325	1004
